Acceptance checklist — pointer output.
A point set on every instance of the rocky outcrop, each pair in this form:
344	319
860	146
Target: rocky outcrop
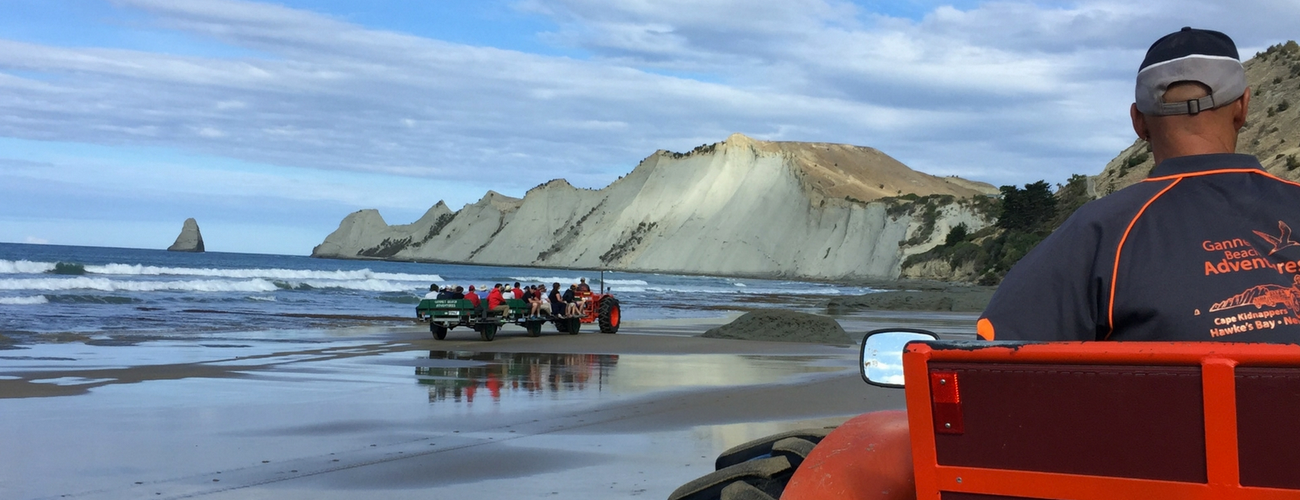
739	207
190	239
1272	131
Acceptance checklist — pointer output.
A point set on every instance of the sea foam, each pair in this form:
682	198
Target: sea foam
25	267
29	267
23	301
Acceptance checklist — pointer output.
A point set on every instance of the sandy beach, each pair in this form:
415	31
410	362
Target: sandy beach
386	412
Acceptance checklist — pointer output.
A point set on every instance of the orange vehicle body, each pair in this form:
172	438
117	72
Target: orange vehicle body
1077	420
591	307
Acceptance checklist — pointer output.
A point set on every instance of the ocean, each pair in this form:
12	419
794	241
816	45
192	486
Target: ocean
107	295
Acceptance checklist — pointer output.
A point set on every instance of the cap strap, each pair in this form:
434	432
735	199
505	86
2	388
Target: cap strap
1190	107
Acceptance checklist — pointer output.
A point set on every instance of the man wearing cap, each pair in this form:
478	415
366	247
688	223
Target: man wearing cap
1179	256
1206	237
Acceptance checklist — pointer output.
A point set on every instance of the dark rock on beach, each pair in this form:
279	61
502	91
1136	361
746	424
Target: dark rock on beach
782	326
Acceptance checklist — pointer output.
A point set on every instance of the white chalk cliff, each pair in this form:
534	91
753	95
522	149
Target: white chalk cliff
742	207
190	239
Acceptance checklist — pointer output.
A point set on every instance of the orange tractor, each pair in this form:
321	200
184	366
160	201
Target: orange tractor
600	308
1046	420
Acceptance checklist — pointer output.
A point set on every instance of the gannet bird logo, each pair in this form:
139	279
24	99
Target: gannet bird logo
1279	242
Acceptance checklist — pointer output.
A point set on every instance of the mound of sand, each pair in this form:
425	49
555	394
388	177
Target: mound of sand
782	326
956	299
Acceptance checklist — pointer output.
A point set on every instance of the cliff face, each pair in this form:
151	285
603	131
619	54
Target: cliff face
190	239
740	207
1272	131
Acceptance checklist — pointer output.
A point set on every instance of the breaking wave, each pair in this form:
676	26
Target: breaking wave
626	282
25	267
29	267
270	274
110	285
24	301
534	279
251	285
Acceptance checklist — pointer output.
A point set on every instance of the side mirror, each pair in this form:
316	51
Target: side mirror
882	354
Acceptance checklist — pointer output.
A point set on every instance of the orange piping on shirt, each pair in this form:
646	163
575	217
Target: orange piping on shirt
984	328
1224	171
1110	308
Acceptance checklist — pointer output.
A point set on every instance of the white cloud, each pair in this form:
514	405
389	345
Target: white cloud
1003	92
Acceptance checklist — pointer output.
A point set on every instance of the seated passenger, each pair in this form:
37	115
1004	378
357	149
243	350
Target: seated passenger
458	293
497	303
519	292
558	307
474	299
543	304
571	301
433	292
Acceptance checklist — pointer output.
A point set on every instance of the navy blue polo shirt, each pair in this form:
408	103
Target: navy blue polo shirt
1202	249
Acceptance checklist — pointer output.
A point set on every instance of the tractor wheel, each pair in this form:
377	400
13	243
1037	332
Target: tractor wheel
757	470
575	324
609	315
489	332
439	331
763	478
534	328
562	325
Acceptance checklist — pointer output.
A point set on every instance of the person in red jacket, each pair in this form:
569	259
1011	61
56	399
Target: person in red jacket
497	303
519	292
473	299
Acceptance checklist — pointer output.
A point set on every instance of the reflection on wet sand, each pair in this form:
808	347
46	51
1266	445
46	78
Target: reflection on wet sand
464	374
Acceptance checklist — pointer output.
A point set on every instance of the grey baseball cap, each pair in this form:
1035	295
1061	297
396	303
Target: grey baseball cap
1195	55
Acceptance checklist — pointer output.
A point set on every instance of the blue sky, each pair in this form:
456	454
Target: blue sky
270	121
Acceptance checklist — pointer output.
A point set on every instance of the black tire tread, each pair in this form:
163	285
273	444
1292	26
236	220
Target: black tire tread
763	446
608	304
765	474
741	490
794	449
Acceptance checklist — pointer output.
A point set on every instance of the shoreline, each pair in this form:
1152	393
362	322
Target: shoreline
376	412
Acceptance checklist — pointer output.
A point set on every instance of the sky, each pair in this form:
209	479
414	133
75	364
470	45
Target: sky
269	122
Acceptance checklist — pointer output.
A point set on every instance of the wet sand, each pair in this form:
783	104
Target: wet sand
387	412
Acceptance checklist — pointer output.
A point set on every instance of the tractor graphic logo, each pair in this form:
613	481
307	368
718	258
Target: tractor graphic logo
1265	296
1279	242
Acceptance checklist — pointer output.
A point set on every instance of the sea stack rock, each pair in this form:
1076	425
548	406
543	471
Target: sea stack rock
190	240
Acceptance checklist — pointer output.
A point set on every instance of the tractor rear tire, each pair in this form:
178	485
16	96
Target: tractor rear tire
609	317
488	332
757	470
562	325
439	332
575	324
763	478
763	446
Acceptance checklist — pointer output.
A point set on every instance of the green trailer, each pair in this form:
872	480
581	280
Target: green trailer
446	314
